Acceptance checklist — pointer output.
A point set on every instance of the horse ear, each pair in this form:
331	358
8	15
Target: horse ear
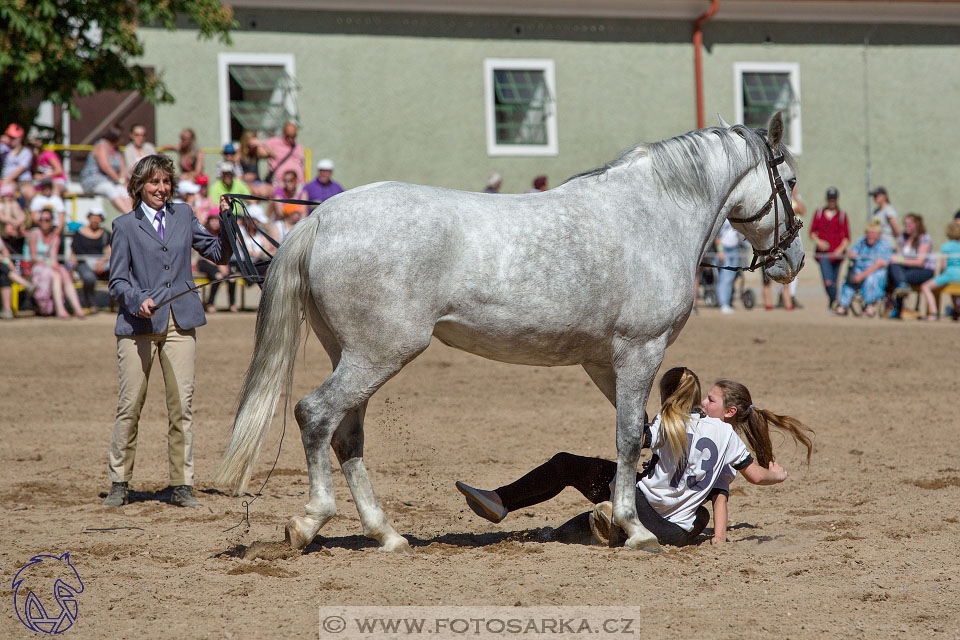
722	122
775	130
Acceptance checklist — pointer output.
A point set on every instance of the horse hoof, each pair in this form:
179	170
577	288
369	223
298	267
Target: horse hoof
646	543
399	545
295	534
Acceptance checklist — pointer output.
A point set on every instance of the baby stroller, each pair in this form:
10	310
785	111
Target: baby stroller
707	288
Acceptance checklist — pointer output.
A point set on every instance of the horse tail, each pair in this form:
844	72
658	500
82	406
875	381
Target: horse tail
286	292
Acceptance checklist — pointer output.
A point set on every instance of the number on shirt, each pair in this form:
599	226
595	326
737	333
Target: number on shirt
707	465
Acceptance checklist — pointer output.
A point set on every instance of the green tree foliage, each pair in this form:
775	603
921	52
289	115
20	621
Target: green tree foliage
59	49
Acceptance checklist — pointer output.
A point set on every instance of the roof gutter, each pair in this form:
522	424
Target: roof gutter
698	57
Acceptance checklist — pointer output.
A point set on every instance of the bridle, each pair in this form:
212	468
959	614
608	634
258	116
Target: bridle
778	191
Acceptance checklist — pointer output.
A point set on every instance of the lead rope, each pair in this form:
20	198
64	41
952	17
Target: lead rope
250	270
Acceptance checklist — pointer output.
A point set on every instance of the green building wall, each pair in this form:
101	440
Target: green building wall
401	97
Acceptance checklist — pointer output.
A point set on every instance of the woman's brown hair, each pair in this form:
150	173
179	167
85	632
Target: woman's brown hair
754	423
145	169
245	153
921	229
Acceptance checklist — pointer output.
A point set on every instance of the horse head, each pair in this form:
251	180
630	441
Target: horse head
762	208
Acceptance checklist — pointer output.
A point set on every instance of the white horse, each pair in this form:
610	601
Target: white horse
598	272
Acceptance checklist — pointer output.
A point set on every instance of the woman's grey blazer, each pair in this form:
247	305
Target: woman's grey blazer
144	266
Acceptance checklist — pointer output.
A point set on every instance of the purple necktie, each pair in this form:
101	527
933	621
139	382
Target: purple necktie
159	219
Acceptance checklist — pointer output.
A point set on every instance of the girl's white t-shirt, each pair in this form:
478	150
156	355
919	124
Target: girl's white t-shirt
714	454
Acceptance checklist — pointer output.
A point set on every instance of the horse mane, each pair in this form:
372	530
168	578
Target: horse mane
680	163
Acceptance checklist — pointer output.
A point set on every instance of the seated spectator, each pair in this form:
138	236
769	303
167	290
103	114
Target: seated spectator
868	273
187	193
251	151
494	182
230	154
253	239
280	228
138	147
956	299
189	155
90	251
9	275
52	279
539	184
17	163
48	166
13	221
47	198
950	268
286	154
323	187
226	183
105	172
216	272
255	244
203	206
288	190
913	262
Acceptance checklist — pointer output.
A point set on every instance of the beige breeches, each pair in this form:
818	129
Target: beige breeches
135	355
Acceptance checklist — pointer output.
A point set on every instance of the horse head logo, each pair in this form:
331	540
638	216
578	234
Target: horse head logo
43	578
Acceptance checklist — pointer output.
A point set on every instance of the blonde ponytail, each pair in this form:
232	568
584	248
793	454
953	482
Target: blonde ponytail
679	393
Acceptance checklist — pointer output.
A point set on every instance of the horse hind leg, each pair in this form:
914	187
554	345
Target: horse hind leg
319	415
317	418
316	429
348	446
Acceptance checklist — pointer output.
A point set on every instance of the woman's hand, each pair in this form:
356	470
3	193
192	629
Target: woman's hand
226	204
146	308
822	245
718	539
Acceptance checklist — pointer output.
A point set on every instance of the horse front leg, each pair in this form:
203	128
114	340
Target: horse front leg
348	445
635	366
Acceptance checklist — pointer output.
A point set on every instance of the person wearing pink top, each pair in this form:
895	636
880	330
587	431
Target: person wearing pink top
284	154
47	165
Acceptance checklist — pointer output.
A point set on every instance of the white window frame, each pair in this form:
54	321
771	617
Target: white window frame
792	69
226	60
540	64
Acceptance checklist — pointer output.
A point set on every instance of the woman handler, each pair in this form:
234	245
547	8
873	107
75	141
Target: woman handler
150	264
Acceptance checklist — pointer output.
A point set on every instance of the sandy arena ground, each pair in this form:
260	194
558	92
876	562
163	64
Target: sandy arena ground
861	544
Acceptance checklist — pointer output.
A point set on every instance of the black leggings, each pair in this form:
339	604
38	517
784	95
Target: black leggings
591	477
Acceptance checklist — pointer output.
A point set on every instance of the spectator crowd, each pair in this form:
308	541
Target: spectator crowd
58	264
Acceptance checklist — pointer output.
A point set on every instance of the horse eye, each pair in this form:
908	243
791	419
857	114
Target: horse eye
792	182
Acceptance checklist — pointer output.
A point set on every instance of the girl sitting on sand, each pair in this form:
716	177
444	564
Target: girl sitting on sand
695	458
